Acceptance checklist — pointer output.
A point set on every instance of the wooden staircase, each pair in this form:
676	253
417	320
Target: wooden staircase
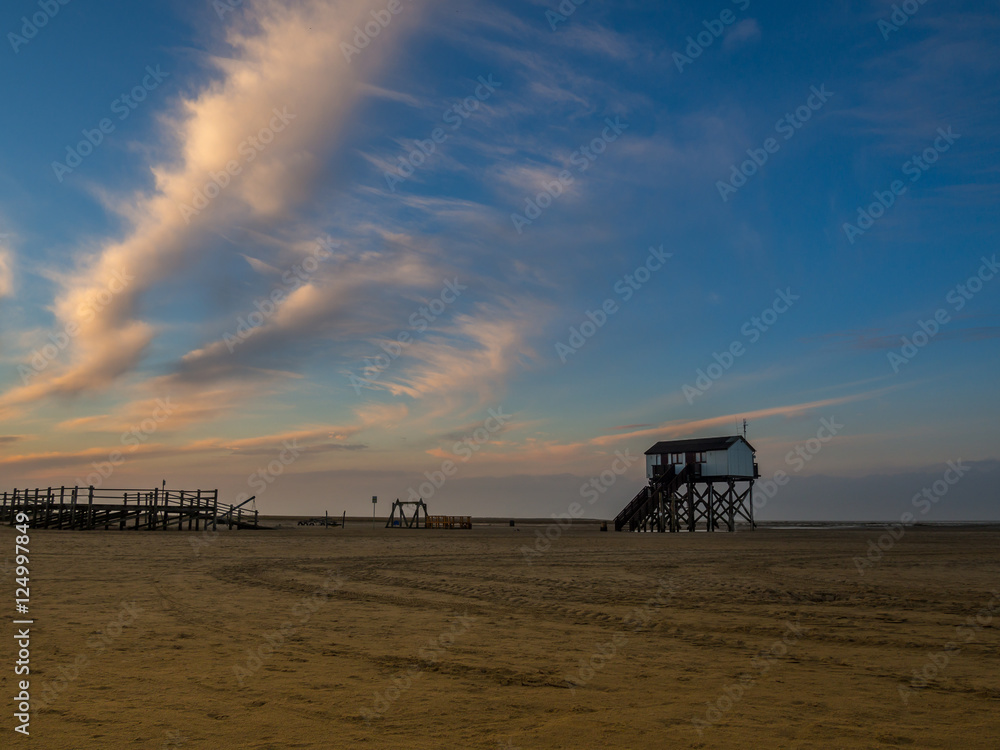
643	508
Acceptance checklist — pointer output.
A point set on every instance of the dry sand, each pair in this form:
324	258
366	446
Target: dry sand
450	639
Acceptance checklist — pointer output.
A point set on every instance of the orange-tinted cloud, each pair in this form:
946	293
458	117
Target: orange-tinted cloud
287	77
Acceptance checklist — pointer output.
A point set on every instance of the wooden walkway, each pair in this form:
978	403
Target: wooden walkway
82	508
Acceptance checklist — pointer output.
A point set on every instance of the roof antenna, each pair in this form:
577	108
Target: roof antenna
744	429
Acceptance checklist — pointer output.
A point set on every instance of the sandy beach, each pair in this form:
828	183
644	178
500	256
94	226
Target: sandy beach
306	637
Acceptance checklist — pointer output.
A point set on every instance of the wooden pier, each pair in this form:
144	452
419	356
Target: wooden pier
83	508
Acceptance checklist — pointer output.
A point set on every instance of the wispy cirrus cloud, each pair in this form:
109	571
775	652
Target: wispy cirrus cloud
327	307
875	340
6	271
315	439
686	428
308	440
527	454
475	355
308	94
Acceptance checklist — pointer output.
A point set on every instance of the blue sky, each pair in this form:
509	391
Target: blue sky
378	188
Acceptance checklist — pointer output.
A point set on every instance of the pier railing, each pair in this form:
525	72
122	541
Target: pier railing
95	508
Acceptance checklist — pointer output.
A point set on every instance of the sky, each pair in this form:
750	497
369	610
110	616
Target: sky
483	252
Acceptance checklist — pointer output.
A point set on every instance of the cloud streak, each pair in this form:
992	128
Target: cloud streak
311	440
6	272
285	68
